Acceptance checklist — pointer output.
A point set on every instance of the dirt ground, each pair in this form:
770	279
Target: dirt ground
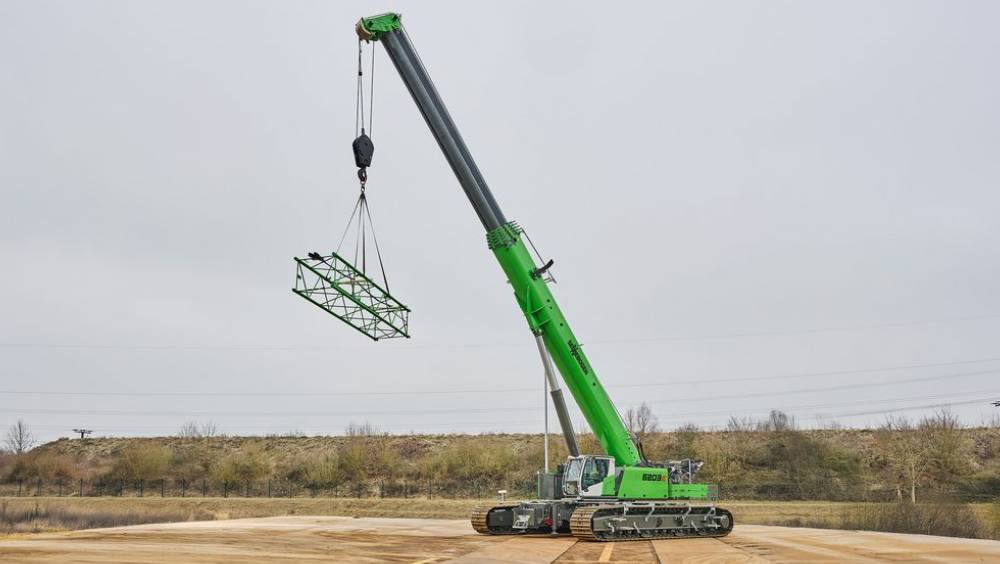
425	541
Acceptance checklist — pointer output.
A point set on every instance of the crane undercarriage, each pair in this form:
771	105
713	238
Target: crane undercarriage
604	520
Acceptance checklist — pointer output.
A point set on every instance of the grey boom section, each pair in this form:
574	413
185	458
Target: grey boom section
411	69
557	399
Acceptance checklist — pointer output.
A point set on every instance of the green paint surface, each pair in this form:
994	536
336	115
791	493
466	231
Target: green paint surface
376	26
644	483
546	319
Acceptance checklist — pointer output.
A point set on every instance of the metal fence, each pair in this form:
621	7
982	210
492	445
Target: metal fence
428	489
181	487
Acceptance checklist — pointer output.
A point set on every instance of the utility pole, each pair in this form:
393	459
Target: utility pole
83	432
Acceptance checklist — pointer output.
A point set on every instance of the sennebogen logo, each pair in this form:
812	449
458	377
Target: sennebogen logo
574	349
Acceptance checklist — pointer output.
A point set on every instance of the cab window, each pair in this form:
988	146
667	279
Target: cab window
595	471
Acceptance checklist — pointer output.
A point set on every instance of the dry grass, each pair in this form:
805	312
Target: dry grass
22	516
78	513
841	465
941	519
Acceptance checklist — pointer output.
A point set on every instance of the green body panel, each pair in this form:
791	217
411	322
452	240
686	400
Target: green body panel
653	483
372	28
644	483
546	319
608	486
689	491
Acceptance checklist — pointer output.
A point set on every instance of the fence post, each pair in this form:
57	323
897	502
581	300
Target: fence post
81	487
184	487
121	488
225	489
269	488
161	487
204	488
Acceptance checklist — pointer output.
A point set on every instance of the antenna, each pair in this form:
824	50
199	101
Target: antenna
83	432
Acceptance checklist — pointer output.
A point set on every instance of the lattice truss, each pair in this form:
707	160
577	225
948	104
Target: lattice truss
334	285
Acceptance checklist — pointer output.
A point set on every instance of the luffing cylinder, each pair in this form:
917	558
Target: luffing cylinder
546	318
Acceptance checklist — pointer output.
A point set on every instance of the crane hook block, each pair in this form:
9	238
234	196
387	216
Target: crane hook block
363	150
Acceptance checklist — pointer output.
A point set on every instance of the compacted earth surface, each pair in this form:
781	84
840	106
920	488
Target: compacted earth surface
347	539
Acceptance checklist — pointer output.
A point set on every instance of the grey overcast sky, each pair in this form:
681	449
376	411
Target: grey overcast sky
751	205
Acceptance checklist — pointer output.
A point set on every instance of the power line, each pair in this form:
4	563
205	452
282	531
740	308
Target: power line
523	423
909	408
331	413
805	331
282	347
801	407
838	387
482	390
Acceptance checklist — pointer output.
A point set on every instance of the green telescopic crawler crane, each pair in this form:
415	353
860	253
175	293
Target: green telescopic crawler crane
616	496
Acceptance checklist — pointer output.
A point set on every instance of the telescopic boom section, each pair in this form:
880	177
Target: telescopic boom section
505	240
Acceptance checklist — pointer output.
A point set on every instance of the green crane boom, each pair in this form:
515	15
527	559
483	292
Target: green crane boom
505	239
618	496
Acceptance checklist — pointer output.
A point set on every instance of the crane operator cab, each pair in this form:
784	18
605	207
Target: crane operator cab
585	476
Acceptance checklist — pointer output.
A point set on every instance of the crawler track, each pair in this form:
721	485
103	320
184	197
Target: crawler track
597	523
480	516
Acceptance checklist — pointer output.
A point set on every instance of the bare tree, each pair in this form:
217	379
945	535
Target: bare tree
778	420
907	451
19	438
193	429
365	429
209	429
740	424
946	441
641	421
189	429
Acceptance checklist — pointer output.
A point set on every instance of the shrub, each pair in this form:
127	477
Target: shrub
246	465
43	466
141	461
319	469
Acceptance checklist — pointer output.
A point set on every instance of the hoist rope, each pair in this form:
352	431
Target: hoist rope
359	103
371	96
362	211
349	222
365	224
378	252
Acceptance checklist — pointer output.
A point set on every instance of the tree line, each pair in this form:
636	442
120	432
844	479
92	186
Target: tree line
933	457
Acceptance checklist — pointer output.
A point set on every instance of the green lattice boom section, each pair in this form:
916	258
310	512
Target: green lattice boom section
334	285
